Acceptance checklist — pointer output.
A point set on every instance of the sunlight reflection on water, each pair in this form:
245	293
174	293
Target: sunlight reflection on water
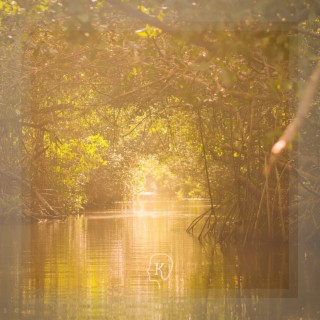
95	267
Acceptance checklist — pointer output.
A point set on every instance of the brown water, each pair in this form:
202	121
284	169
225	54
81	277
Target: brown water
96	267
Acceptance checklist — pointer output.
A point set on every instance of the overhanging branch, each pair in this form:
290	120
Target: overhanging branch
302	111
137	14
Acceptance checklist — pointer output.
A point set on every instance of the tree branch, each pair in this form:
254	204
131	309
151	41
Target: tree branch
291	130
137	14
309	33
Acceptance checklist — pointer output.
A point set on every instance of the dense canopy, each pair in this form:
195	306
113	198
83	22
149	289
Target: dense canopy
103	100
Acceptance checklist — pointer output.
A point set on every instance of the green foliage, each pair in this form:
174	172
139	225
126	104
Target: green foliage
110	109
9	7
71	162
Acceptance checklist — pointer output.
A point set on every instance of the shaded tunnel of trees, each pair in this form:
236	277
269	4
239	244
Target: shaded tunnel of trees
100	99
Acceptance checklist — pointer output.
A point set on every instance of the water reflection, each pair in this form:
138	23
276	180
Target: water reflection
95	267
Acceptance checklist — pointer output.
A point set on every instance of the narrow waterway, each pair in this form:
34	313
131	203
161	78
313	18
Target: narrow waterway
102	265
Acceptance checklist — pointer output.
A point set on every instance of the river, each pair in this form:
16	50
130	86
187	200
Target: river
101	265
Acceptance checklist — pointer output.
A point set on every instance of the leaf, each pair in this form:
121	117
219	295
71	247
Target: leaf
142	32
148	31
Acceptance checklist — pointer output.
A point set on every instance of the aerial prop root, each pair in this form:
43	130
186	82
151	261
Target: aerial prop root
207	228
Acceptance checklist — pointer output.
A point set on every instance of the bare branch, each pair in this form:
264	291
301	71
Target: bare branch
309	33
291	130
